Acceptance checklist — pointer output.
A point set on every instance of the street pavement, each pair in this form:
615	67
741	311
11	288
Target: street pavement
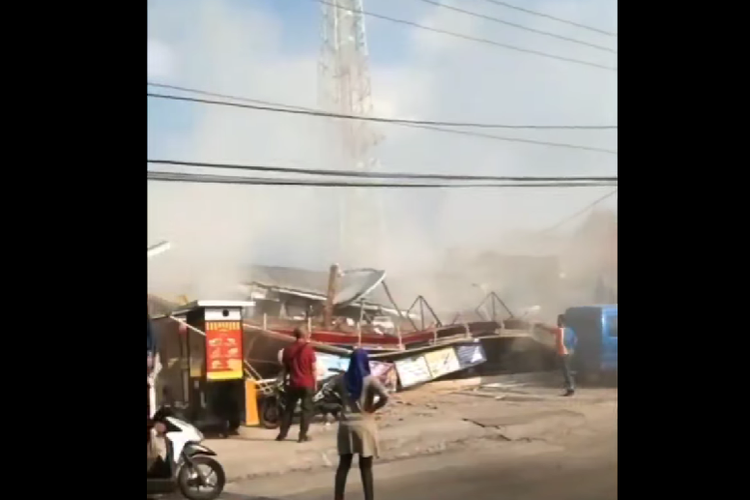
514	441
421	423
576	466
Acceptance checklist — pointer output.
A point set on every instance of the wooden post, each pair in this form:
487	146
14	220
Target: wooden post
333	276
265	321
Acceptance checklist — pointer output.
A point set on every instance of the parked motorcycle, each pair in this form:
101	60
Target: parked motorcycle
327	401
189	466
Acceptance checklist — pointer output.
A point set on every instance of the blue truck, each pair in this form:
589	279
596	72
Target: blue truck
595	329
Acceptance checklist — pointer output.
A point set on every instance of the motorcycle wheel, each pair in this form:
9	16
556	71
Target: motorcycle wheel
270	413
189	482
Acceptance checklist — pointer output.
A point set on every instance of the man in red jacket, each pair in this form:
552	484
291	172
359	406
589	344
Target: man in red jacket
299	362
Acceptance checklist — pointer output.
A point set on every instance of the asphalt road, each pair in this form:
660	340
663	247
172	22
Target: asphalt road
585	469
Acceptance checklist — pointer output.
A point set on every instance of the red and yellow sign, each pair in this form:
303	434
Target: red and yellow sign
223	350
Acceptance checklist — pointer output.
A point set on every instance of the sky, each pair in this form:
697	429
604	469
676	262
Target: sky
269	49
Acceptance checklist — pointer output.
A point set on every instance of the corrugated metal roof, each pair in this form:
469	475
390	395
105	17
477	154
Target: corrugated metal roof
289	277
302	280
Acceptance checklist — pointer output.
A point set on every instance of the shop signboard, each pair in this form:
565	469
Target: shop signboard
470	355
413	371
442	362
385	372
224	350
331	363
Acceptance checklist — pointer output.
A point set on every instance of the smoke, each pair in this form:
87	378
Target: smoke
264	50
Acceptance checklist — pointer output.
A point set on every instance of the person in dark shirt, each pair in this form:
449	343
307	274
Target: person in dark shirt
299	363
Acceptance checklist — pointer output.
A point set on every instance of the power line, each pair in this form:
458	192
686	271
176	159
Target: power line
287	109
261	181
402	121
472	38
579	212
518	139
519	26
379	175
424	127
547	16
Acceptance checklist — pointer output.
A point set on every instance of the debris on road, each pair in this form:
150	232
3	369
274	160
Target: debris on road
420	422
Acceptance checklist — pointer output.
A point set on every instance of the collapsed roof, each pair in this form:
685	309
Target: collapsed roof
313	284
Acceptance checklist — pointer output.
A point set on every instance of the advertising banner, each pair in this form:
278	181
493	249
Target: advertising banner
331	362
386	372
413	371
442	362
470	355
224	350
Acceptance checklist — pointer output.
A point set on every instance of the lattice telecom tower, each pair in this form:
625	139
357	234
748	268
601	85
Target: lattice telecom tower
344	85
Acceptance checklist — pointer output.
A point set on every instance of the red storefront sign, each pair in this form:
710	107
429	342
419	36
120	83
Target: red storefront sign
224	350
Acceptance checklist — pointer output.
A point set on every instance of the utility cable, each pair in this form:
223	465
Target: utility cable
296	110
379	175
261	181
579	212
547	16
519	26
471	38
326	114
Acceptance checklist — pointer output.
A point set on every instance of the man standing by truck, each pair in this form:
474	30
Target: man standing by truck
565	343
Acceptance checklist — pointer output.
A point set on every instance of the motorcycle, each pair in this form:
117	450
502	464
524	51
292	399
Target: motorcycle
189	466
326	401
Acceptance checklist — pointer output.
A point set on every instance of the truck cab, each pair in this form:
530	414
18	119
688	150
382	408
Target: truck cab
595	328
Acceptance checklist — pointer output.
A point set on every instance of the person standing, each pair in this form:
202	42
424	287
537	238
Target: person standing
299	364
362	395
565	343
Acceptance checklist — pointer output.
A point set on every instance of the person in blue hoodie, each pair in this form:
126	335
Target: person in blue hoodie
362	395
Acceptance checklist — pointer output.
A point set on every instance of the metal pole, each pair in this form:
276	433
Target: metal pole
359	323
393	302
408	311
503	304
432	311
421	312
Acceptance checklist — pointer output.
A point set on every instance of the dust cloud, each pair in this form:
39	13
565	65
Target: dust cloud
439	243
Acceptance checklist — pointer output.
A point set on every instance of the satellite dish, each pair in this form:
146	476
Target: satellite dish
355	285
